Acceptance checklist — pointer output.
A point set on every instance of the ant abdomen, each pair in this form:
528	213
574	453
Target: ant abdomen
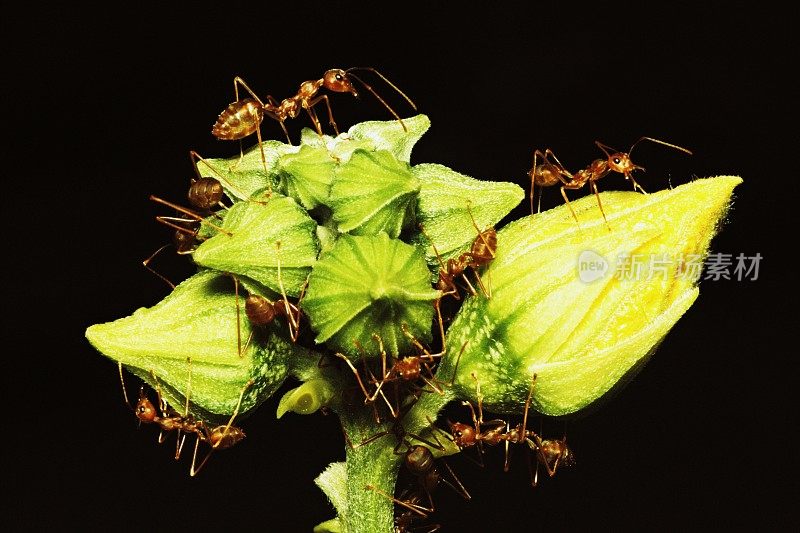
259	310
238	120
205	193
222	437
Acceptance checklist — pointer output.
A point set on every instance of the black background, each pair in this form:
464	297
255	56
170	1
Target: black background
105	106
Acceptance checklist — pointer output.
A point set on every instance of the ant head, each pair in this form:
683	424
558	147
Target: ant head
145	410
336	80
408	368
184	242
463	435
619	161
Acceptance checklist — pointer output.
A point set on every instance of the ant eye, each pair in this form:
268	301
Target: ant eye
616	160
338	77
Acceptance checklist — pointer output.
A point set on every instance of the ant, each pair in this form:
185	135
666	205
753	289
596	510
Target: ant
243	117
418	461
550	173
185	239
409	369
219	437
481	253
550	453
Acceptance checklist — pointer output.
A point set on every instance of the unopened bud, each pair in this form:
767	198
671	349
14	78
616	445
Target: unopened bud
565	304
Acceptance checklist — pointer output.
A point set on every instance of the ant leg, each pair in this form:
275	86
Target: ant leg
180	440
564	194
274	104
187	212
358	377
238	315
461	490
413	507
194	471
239	81
146	264
331	121
197	159
532	175
294	325
599	203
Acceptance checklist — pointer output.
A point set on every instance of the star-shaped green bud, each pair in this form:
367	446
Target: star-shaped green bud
370	285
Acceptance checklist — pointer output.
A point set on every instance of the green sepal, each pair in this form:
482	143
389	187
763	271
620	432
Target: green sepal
373	192
445	201
198	321
242	176
390	135
333	482
372	135
260	236
307	175
370	285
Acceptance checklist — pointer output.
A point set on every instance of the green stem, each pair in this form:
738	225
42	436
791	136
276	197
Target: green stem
373	464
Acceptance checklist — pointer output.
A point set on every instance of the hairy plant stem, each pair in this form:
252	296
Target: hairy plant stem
376	463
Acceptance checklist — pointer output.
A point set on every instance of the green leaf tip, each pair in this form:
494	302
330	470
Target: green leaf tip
564	306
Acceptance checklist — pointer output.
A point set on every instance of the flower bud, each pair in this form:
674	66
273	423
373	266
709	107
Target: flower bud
259	237
373	192
308	398
370	285
565	307
197	321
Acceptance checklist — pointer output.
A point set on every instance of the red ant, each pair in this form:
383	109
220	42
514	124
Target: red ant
420	462
185	238
243	117
409	369
550	173
550	453
480	254
219	437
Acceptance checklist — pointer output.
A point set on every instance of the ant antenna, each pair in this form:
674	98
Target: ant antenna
376	95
